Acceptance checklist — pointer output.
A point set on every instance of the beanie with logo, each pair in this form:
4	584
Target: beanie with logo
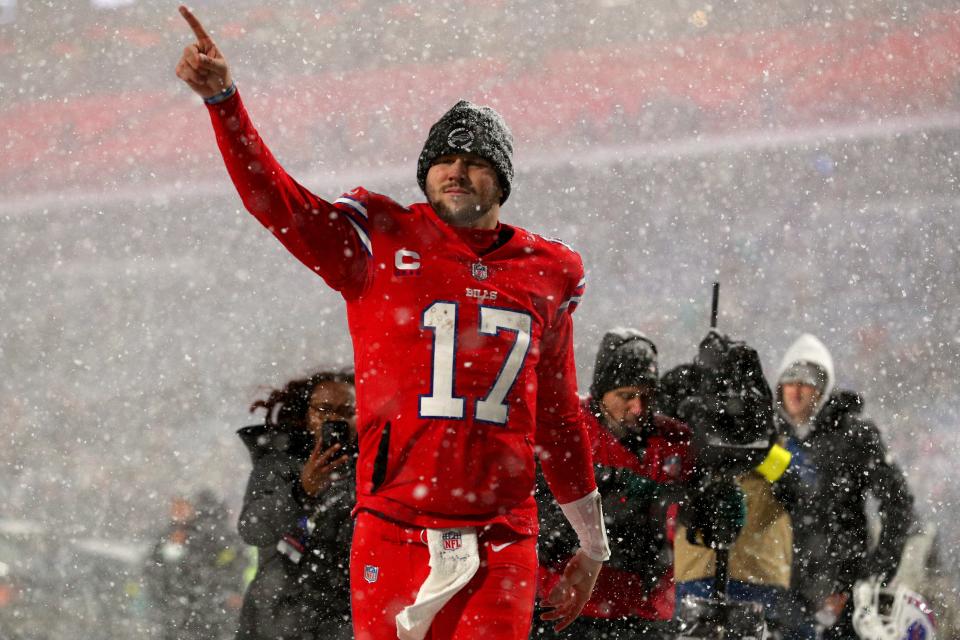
469	128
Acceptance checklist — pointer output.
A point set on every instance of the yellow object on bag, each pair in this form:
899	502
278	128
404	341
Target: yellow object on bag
775	464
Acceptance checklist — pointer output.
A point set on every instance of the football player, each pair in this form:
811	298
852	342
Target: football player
462	335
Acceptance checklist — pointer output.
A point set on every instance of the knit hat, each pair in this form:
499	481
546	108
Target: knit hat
626	358
470	128
805	373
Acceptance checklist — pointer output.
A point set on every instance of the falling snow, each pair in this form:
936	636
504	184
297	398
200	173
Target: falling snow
804	155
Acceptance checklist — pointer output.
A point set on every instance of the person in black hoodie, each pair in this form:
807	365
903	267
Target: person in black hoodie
296	511
851	461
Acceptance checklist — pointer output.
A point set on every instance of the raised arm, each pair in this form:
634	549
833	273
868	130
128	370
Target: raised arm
332	240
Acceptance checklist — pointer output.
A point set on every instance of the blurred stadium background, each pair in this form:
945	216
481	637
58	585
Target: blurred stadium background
804	154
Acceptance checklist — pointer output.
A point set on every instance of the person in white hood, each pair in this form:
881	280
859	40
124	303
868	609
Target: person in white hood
805	380
845	459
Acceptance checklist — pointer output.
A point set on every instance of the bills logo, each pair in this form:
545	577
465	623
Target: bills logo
451	540
460	138
479	271
371	573
481	294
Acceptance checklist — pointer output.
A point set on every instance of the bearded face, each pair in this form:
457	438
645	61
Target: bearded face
464	191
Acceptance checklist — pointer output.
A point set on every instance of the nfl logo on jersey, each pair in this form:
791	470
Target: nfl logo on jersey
371	573
479	271
451	540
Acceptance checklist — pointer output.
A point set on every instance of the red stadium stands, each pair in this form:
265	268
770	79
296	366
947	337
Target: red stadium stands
620	93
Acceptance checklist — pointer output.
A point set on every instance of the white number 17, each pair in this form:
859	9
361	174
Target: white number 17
441	318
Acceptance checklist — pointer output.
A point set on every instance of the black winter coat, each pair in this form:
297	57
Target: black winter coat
830	532
288	599
190	583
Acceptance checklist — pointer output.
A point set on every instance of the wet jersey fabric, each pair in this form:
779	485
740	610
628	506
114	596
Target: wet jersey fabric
464	362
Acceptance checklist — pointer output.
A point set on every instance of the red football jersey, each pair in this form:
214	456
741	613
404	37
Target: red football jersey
464	363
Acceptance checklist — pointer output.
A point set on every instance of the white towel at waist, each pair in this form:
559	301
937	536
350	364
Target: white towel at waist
454	559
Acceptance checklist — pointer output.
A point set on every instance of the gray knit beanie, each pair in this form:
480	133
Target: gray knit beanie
804	372
470	128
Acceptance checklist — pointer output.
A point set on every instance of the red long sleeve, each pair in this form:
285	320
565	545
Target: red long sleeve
561	437
328	239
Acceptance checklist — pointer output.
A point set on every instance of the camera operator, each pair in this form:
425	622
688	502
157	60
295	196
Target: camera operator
851	461
743	502
640	459
296	511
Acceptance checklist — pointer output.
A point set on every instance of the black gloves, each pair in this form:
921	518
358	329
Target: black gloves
718	512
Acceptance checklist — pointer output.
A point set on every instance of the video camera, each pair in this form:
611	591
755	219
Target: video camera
725	399
728	405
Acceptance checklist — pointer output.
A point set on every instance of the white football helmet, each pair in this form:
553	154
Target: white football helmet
891	613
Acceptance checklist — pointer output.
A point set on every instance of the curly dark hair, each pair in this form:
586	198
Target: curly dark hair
287	407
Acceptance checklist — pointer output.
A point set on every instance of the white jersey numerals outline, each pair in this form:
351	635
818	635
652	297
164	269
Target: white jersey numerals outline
441	318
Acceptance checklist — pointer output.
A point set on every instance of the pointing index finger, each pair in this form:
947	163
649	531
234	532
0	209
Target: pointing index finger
202	36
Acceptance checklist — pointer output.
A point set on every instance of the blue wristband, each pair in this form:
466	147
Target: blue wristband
224	95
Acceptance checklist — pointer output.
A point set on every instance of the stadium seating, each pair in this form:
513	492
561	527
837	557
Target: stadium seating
622	92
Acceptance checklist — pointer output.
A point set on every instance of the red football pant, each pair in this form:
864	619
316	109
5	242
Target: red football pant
389	562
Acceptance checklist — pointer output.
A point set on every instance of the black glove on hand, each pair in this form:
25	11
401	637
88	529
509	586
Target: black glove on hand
719	511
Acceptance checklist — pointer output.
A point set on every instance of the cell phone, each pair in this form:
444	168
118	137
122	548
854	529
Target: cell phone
338	432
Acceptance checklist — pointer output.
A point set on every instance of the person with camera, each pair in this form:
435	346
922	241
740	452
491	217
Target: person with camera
851	461
640	458
744	486
296	511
